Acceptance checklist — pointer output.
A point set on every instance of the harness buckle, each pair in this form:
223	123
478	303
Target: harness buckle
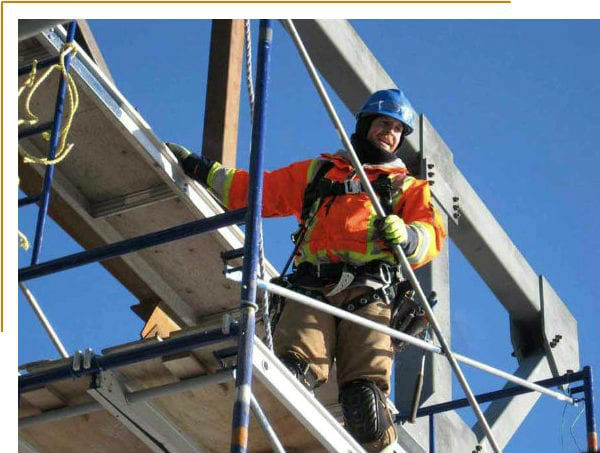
385	273
352	186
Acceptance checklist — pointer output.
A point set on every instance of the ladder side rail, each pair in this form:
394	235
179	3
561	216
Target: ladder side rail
300	402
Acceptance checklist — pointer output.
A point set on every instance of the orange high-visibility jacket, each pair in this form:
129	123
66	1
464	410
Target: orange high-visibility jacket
343	229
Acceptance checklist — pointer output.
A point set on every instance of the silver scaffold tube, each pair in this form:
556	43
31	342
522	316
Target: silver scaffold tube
398	252
343	314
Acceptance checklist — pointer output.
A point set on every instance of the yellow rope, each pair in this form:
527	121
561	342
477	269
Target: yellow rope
73	103
23	242
29	82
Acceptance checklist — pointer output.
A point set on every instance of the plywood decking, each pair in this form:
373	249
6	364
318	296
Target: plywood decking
204	414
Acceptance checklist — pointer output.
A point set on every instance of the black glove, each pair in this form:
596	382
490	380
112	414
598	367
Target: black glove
181	152
194	166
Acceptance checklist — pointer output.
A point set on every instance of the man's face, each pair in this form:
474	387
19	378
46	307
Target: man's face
385	133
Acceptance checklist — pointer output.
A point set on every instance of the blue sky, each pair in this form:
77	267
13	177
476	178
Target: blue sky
516	102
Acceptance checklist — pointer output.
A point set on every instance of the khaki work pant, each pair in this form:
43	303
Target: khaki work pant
360	352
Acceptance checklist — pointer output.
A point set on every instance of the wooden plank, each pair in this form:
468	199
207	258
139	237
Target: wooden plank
222	106
45	398
95	432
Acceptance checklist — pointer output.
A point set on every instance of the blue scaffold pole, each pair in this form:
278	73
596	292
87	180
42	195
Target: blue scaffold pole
243	383
592	436
58	113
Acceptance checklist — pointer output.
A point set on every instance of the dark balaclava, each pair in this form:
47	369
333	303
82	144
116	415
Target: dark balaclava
367	152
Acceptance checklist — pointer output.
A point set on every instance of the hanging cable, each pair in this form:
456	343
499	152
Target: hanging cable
573	425
266	308
73	103
249	84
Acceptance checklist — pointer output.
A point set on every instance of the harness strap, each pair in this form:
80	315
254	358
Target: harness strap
332	271
382	186
365	299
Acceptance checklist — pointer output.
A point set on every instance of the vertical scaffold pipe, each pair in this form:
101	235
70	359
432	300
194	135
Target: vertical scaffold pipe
592	436
241	408
47	186
398	252
431	433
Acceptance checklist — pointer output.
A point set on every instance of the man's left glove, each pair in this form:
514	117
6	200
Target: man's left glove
195	166
395	230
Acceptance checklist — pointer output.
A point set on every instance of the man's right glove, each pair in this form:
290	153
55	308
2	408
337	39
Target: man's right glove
197	167
395	230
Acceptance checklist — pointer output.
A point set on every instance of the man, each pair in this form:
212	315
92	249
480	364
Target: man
343	256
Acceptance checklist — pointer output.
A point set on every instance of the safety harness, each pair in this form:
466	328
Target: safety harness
308	278
320	187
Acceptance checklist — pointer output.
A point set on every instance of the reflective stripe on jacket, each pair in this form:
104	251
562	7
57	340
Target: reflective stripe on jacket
343	229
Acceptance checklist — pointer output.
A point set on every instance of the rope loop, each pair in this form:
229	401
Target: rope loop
73	103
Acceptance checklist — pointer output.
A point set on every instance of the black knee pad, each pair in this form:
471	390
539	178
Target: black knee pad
365	411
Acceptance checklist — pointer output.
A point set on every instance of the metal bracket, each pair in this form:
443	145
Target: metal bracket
142	418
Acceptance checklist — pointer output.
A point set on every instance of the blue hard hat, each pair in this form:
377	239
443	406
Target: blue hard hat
391	103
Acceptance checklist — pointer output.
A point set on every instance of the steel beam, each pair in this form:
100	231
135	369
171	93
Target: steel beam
222	105
31	27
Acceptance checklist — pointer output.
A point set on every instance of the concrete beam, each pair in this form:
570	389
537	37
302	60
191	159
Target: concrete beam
561	343
478	235
353	72
506	415
348	65
222	106
437	384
